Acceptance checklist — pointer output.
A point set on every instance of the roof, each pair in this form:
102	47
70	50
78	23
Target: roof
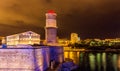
28	32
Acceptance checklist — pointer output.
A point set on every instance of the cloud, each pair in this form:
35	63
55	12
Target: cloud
81	15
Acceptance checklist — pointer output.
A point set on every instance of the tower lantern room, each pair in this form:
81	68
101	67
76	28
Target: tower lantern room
51	19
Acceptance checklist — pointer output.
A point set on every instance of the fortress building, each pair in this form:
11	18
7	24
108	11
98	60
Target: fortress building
51	28
18	56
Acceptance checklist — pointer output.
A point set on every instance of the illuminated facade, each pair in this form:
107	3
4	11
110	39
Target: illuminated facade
28	37
51	28
74	37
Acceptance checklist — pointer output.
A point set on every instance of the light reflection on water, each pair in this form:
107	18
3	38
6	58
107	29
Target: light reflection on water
95	61
92	61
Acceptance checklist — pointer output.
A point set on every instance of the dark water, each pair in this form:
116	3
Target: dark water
95	61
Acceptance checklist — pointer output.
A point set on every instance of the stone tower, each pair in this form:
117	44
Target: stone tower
51	28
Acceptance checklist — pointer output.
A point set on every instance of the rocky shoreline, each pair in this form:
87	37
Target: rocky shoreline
67	65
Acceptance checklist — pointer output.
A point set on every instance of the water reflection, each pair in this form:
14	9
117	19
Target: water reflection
92	61
115	62
95	61
72	55
118	62
104	61
99	61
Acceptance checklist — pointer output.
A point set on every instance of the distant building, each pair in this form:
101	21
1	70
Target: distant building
74	37
63	42
97	39
2	40
115	40
78	38
51	28
28	37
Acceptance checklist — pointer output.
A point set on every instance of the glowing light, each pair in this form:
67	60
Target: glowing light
51	11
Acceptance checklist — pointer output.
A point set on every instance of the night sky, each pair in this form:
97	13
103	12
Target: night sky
88	18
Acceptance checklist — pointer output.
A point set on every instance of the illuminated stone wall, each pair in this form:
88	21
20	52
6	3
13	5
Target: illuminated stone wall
22	59
56	53
42	59
16	59
29	59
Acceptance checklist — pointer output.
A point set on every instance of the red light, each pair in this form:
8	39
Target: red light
51	11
